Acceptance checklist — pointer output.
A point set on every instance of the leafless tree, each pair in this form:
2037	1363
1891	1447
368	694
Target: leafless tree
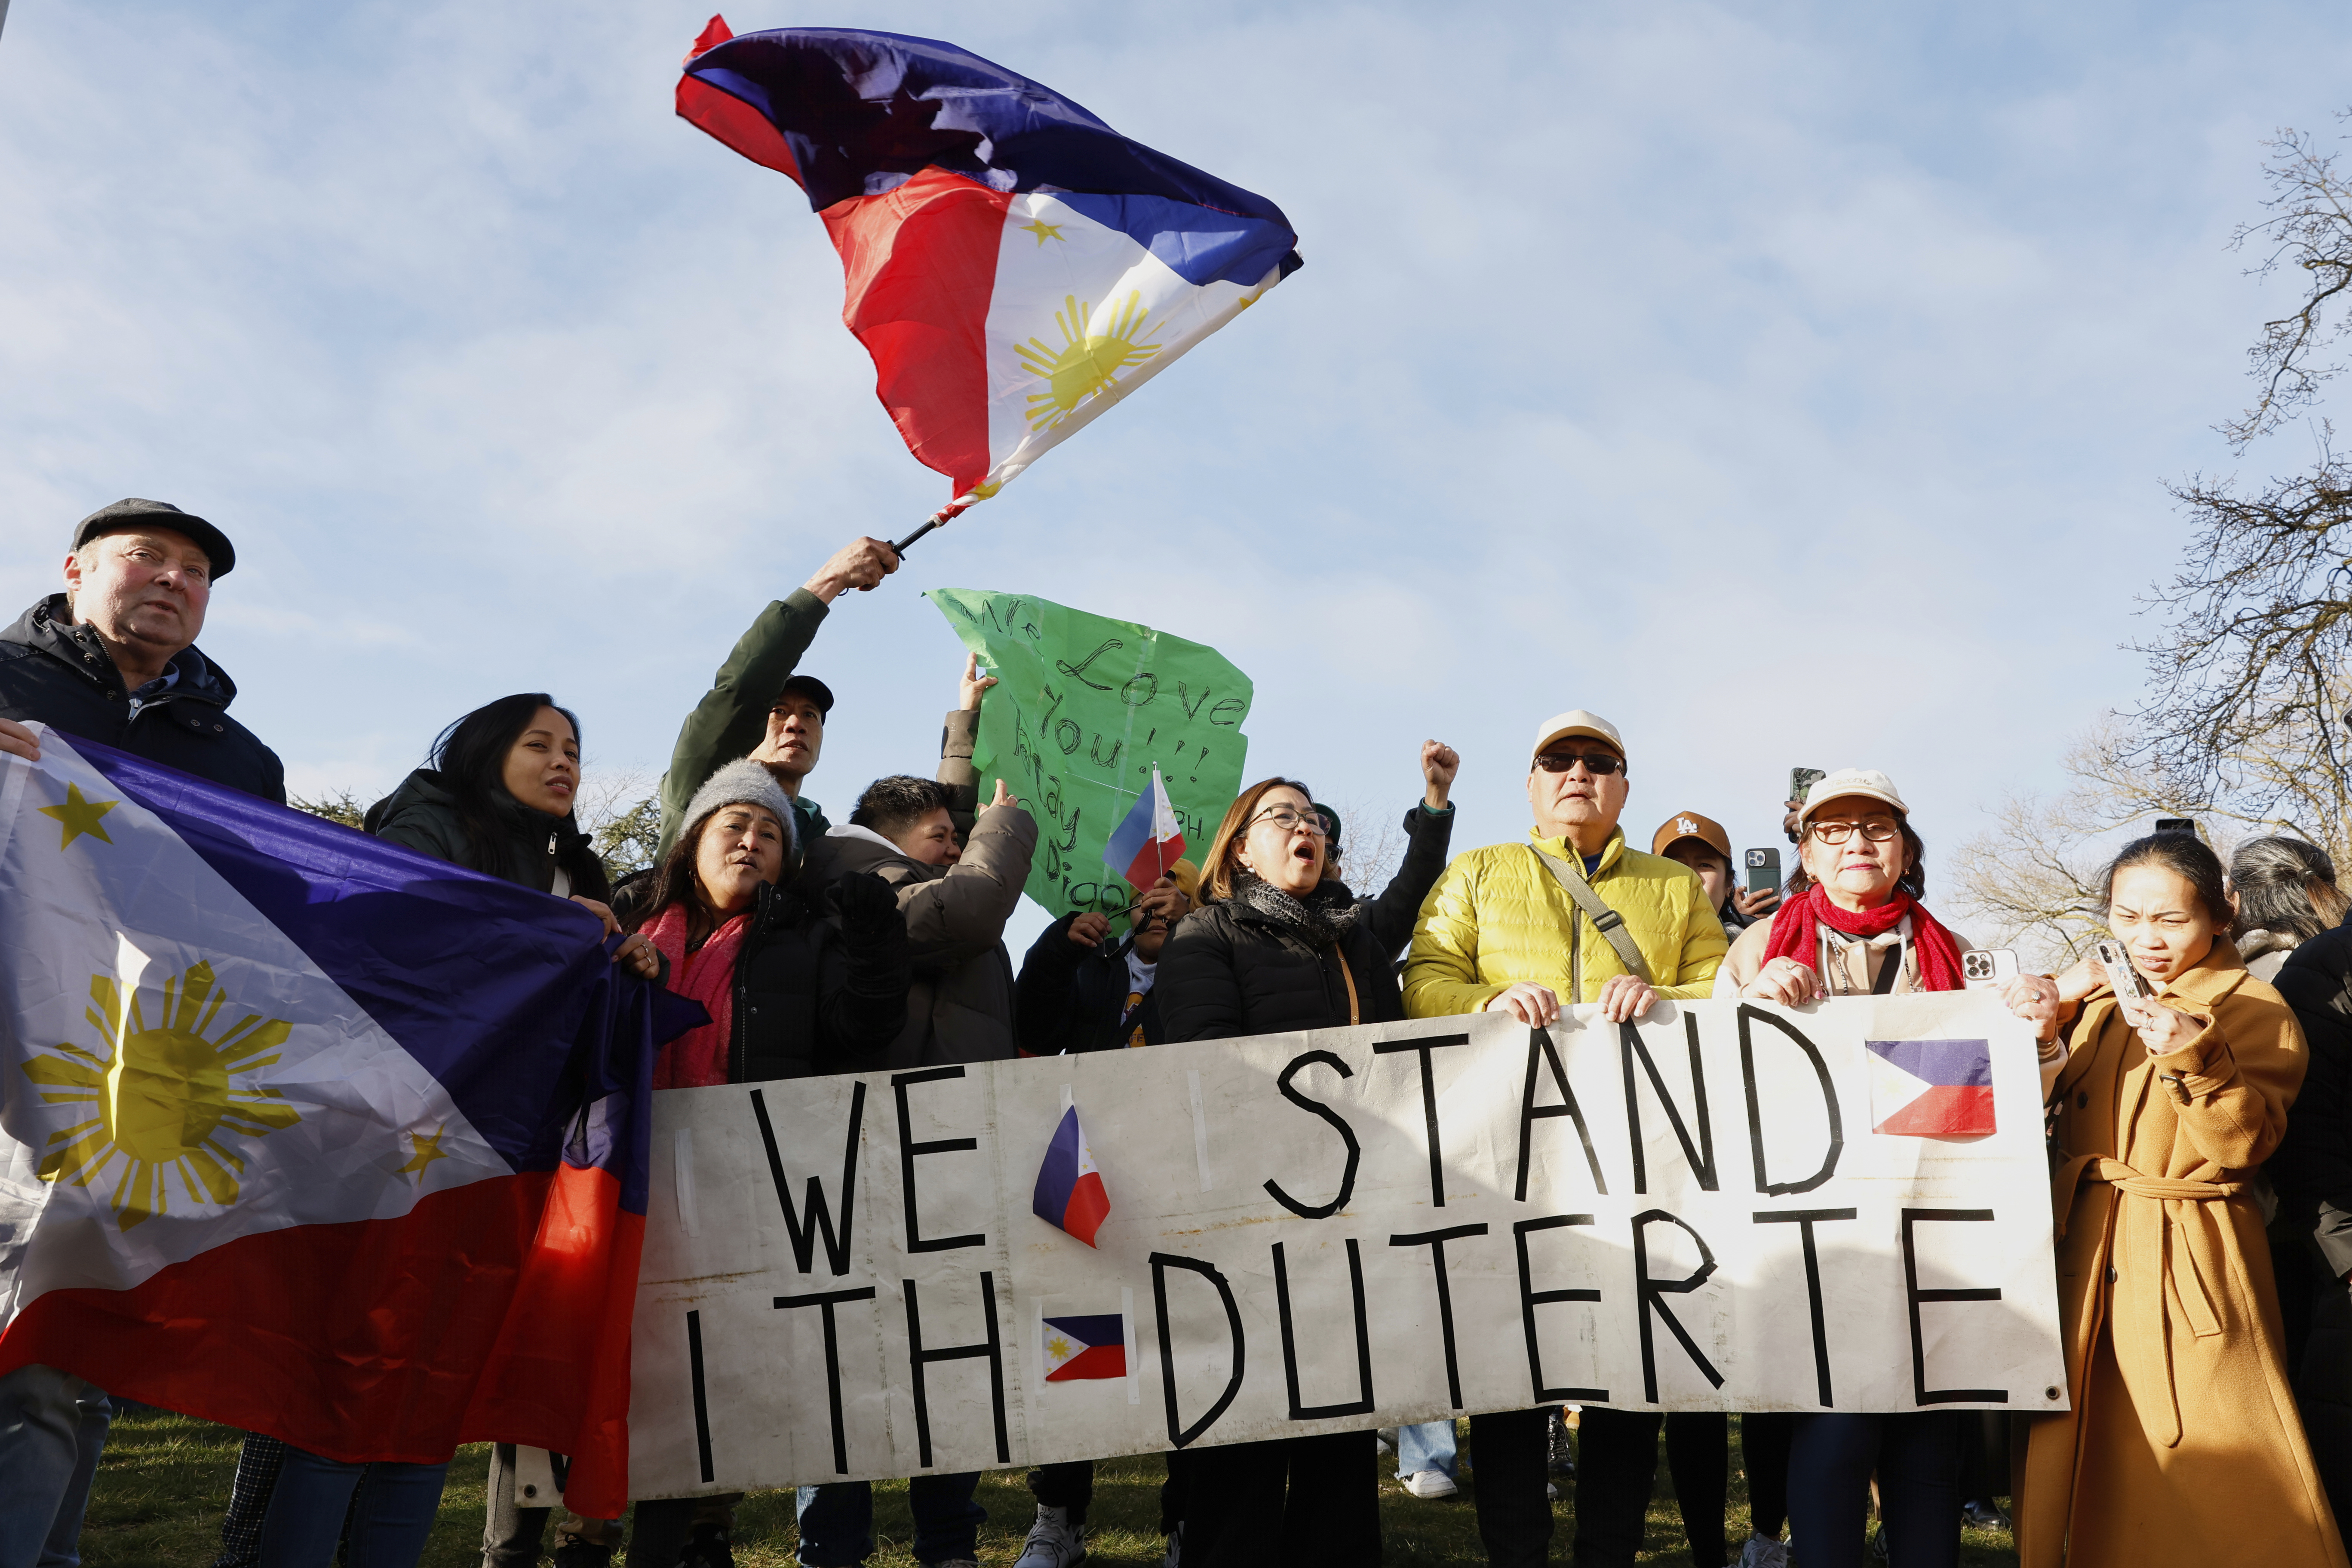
2309	229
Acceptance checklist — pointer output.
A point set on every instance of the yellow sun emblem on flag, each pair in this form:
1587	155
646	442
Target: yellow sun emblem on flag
163	1098
1058	1348
1088	363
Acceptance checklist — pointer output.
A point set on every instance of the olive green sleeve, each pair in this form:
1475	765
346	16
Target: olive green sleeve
732	719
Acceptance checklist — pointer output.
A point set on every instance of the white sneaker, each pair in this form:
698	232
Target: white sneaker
1052	1543
1175	1547
1762	1553
1551	1493
1431	1484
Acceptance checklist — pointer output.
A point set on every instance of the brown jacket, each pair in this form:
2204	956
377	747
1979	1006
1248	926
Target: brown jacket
2182	1445
961	1009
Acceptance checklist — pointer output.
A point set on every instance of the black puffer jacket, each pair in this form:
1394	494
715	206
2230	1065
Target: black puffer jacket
2313	1167
817	993
422	815
54	672
1229	970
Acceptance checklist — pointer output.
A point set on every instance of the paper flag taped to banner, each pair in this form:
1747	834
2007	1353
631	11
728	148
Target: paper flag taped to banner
1931	1089
1070	1195
1081	1348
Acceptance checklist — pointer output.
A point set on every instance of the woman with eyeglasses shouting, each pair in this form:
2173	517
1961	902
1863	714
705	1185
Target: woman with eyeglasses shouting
1853	926
1279	943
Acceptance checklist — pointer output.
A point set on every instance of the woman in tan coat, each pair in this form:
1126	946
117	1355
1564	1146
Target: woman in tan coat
2182	1445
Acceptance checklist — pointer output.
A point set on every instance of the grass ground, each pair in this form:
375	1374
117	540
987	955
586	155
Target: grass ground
160	1494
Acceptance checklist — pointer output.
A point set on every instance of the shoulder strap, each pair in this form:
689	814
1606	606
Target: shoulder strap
1610	923
1355	1014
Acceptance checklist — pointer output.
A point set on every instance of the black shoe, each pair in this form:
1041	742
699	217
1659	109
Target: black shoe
574	1552
708	1547
1983	1513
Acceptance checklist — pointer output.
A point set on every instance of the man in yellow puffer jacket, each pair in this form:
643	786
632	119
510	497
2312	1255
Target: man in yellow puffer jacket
1499	933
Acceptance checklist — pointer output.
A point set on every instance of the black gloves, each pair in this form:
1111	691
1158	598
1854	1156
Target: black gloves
868	906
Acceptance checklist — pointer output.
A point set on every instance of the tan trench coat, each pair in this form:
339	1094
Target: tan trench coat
2183	1446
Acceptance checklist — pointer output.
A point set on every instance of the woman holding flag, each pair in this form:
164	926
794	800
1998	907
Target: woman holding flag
1279	943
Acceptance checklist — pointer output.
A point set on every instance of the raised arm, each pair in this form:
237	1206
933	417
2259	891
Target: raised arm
953	917
732	719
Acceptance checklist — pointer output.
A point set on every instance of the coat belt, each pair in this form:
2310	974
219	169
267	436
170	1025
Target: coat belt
2158	1258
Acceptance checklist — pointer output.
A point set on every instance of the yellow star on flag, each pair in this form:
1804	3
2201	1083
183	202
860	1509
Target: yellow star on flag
79	816
427	1149
1043	230
1058	1348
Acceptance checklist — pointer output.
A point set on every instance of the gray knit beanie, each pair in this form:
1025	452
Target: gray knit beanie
745	783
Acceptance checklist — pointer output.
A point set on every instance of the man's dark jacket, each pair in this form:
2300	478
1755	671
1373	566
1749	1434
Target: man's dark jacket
1069	998
54	672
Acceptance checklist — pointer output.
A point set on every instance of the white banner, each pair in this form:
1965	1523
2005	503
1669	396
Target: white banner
1349	1228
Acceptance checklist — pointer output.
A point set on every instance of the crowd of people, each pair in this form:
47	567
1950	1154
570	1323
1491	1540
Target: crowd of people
2204	1237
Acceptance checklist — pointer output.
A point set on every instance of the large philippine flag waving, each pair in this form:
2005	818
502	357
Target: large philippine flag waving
308	1135
1015	265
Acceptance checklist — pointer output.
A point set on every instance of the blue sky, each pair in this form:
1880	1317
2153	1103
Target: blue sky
1793	384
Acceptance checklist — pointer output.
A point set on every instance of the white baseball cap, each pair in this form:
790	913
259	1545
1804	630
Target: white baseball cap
1868	782
1576	722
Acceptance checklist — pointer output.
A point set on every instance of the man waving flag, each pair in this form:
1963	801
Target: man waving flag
308	1135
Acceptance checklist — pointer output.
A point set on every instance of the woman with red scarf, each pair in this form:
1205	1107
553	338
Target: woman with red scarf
1853	926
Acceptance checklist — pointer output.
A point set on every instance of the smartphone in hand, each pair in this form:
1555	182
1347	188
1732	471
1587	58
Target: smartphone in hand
2132	993
1763	870
1988	968
1803	779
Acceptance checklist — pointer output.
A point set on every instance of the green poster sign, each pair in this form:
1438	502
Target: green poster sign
1083	709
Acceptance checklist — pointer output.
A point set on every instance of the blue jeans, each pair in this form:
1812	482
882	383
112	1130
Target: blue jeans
52	1429
1426	1447
837	1521
391	1517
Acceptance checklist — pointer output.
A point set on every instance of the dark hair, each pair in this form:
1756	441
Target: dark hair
672	881
471	755
890	805
1912	881
2186	856
2285	887
1222	860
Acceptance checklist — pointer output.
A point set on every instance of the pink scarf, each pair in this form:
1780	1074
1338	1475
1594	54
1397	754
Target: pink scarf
707	975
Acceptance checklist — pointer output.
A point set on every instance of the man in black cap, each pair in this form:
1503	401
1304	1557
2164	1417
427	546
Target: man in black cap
758	707
113	658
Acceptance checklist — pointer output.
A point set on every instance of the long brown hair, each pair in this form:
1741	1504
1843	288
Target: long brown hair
1222	860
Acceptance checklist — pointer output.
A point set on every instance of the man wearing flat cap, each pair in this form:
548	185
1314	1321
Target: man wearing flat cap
113	658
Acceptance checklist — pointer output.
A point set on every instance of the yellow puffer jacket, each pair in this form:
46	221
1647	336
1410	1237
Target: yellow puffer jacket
1498	916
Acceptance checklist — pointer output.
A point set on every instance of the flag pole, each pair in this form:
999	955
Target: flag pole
938	519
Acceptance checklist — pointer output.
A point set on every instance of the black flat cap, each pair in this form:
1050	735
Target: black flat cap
810	687
132	513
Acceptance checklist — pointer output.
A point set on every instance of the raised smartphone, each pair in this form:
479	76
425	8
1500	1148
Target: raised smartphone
2131	989
1763	870
1802	779
1988	968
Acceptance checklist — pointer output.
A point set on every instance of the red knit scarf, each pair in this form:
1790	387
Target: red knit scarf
698	1056
1793	935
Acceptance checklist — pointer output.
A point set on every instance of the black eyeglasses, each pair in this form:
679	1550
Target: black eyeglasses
1600	764
1290	821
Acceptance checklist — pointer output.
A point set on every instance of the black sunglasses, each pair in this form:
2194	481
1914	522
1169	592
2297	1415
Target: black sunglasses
1600	764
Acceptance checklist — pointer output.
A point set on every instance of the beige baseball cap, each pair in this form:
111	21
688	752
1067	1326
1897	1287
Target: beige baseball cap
1868	782
1575	722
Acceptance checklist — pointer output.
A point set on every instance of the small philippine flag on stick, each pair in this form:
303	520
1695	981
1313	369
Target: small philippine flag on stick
1070	1193
1931	1089
1148	841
